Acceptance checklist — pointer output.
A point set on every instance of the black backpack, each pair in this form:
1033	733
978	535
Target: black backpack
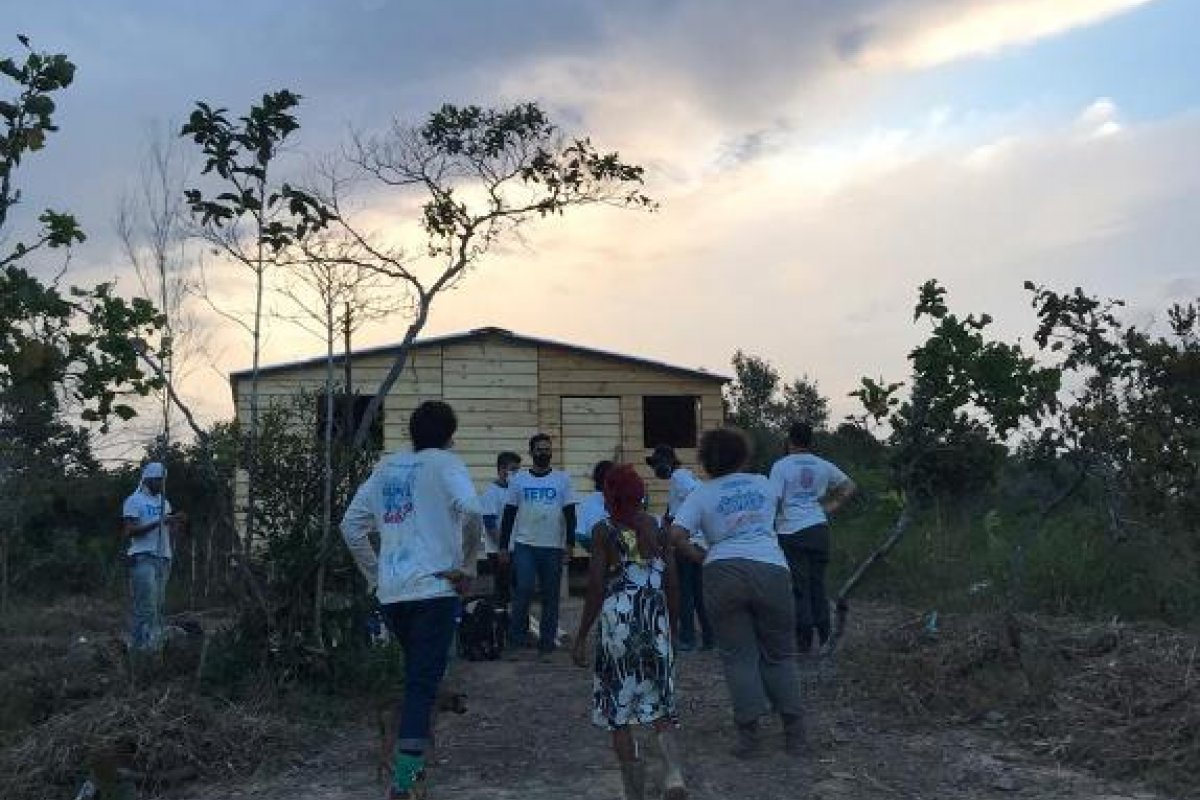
482	631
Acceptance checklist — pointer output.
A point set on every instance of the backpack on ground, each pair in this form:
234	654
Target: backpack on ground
482	631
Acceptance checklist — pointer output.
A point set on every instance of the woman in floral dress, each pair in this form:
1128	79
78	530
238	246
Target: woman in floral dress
631	588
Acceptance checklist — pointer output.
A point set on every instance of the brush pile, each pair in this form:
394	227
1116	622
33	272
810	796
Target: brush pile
1120	699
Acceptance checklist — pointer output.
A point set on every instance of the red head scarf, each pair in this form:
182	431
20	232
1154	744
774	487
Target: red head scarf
623	493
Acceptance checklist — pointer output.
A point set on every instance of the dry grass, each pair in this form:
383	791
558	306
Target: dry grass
1119	699
69	710
158	736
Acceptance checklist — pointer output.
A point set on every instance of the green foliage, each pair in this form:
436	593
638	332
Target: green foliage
241	152
517	143
968	394
288	517
1133	423
79	347
761	404
25	120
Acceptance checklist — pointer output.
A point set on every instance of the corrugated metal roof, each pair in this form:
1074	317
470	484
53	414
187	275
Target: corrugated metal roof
479	333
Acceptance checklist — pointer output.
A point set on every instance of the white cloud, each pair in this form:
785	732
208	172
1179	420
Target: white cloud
940	33
1101	118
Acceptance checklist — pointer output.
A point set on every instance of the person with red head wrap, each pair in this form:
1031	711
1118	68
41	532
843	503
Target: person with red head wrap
631	589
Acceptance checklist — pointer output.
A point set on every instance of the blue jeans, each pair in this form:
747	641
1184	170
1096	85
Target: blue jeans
541	565
148	576
425	631
691	603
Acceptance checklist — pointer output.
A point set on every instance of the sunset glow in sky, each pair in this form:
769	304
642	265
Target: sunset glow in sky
815	161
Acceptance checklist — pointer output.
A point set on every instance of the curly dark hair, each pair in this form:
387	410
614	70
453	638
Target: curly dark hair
723	451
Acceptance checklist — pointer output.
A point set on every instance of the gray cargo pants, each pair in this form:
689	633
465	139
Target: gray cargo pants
751	609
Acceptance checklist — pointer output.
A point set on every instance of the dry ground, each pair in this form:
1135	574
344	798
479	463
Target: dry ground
526	736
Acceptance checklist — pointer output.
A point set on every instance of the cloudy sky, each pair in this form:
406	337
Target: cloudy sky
815	161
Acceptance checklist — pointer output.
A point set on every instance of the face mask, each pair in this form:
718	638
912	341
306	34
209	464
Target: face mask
542	460
662	471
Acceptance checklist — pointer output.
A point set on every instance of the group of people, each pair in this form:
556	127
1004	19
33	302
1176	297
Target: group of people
752	548
742	554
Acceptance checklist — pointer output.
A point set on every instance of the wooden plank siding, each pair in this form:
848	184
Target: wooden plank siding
565	373
505	389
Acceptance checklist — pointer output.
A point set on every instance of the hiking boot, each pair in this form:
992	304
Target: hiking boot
795	738
748	743
633	779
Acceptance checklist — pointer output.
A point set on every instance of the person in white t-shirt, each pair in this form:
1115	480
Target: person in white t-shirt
494	496
148	524
747	588
683	481
539	520
810	489
424	508
592	509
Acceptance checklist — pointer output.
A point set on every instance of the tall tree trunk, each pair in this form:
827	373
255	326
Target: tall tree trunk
327	489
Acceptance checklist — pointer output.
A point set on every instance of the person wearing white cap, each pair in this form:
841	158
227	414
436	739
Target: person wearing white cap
148	524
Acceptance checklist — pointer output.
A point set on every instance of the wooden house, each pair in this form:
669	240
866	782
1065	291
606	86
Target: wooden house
505	387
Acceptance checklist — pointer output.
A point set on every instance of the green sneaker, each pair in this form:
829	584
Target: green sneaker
408	777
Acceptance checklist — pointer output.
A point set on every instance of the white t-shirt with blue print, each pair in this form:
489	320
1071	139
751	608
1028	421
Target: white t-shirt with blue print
540	501
418	502
143	507
735	515
802	479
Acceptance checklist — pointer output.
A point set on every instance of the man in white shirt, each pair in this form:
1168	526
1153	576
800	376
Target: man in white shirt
539	519
592	509
148	524
810	489
683	482
423	506
493	498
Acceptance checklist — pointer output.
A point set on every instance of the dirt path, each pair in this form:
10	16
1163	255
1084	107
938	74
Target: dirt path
526	736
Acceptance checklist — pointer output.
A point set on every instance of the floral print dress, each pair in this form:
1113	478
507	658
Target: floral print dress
634	668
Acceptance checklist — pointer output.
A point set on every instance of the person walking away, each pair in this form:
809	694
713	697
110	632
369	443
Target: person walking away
592	509
683	481
493	499
747	588
424	508
539	519
632	589
810	489
148	524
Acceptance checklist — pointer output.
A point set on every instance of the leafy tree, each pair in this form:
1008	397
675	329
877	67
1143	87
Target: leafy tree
249	219
969	394
60	350
759	402
1131	424
480	176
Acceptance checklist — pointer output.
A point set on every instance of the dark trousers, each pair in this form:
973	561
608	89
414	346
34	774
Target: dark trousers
691	602
502	579
807	552
425	630
541	566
